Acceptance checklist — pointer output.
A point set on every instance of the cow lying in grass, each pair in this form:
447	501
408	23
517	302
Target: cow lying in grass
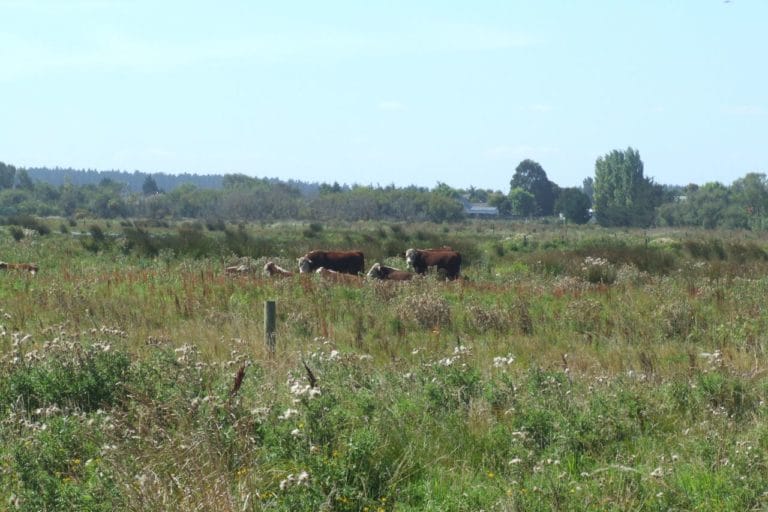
274	270
338	277
237	270
379	271
24	267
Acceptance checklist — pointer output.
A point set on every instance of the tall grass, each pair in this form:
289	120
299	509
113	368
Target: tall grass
537	383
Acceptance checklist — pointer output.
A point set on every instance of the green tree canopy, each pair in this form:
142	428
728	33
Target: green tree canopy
7	175
531	177
523	203
150	186
574	205
623	196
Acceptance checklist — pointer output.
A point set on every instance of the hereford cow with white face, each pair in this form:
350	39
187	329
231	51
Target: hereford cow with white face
379	271
446	261
347	262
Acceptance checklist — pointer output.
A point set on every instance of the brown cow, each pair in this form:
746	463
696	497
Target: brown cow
338	277
385	273
448	262
348	262
26	267
272	269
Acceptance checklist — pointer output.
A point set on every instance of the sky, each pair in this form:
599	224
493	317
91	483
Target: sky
380	93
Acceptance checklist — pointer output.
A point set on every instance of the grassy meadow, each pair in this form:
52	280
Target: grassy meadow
573	368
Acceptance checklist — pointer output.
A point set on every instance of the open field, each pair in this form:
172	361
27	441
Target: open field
573	369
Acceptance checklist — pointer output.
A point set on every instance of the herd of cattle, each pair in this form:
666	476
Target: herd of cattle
344	265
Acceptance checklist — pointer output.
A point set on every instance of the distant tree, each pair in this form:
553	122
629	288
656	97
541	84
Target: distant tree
502	202
751	193
477	195
522	202
23	181
238	182
574	205
531	177
444	209
708	204
588	187
7	175
446	191
623	195
149	187
325	188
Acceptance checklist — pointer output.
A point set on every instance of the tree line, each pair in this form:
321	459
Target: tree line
619	194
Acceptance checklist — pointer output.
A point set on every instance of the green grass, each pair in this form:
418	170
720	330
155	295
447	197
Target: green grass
538	383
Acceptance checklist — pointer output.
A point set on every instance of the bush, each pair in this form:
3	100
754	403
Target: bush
17	233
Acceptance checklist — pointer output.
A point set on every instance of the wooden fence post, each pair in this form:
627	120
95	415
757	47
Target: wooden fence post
269	324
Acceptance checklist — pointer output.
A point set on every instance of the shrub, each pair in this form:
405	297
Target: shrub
427	309
17	233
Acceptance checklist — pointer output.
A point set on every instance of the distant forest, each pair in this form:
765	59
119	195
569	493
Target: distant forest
619	194
135	180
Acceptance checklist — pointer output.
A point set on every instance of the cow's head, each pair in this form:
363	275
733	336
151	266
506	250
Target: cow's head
269	268
305	265
410	257
375	271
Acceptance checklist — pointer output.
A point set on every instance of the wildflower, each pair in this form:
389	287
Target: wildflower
462	350
658	472
501	361
288	414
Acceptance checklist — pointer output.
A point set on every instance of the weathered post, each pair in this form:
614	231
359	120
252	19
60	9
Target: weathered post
269	324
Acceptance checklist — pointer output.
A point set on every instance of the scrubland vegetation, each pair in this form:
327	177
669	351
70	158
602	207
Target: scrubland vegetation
573	369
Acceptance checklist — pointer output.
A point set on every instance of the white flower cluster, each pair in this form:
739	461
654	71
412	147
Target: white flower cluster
502	361
299	390
590	261
185	353
288	414
458	353
295	480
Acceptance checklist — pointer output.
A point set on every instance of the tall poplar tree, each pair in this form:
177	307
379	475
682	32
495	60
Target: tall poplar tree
623	196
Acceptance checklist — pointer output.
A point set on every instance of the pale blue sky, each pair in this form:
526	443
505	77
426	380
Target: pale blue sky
401	92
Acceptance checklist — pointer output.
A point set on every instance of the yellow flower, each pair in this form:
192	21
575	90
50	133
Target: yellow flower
491	474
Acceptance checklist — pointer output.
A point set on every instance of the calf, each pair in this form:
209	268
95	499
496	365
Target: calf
237	269
338	277
385	273
274	270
